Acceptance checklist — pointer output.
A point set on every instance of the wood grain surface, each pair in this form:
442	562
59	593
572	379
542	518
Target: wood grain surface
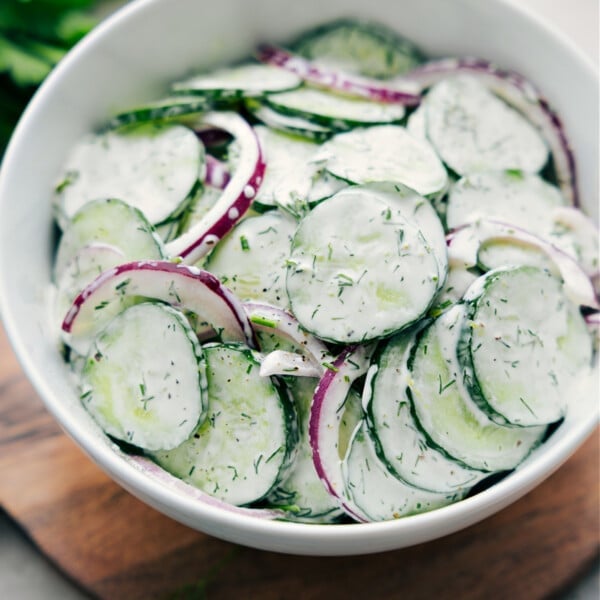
115	547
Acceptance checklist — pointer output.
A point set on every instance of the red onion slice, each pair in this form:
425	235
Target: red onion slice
179	285
217	173
271	319
398	90
520	93
236	197
464	244
151	469
325	416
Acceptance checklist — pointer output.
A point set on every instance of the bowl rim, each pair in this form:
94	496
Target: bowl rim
289	537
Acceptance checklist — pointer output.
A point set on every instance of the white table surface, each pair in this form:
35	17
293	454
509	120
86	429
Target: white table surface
25	574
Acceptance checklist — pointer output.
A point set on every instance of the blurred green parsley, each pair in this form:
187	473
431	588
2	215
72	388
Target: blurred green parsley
34	36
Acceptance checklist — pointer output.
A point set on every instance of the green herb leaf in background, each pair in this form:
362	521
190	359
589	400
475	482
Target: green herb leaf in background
34	36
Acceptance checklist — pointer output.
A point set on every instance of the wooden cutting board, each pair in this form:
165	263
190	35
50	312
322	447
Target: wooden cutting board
115	547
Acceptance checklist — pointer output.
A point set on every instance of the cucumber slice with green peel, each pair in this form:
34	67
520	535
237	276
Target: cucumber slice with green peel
377	493
247	80
498	253
153	400
384	153
445	411
287	123
154	167
359	269
515	197
473	130
359	47
302	492
242	449
289	169
397	437
334	111
523	346
112	222
251	259
163	109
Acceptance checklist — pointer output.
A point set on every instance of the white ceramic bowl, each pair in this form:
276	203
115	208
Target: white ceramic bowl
131	57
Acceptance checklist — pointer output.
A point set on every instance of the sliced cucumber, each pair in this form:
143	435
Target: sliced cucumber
288	124
161	110
523	346
418	209
246	80
150	399
336	112
377	493
473	130
498	253
514	197
243	447
110	222
251	259
385	153
154	167
359	269
359	47
289	171
445	411
398	439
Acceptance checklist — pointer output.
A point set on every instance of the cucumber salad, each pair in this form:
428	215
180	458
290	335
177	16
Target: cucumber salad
337	281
